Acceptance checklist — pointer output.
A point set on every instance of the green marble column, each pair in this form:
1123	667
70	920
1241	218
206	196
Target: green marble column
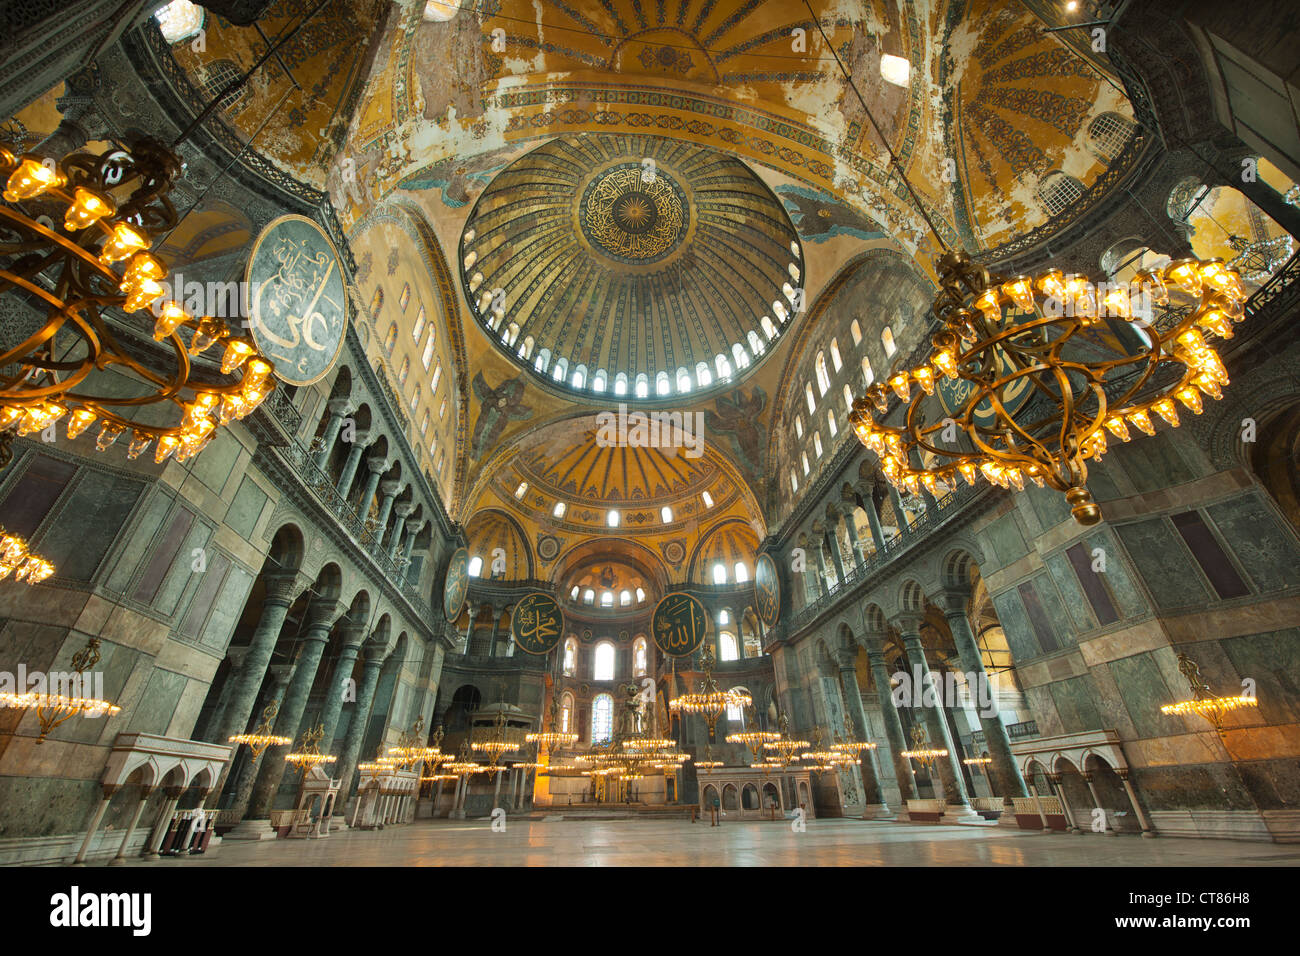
893	723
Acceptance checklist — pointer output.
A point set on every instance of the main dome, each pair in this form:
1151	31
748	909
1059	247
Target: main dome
631	266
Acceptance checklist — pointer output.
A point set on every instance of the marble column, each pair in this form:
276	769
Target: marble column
278	675
837	554
1066	810
909	626
900	513
1005	771
373	664
159	830
402	512
338	408
376	466
855	546
353	633
1096	802
321	615
873	519
108	791
413	528
1143	822
282	587
469	628
873	795
389	490
236	656
120	858
893	724
819	550
350	466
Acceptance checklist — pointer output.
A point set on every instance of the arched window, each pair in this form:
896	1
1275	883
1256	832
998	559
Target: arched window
1056	192
560	508
707	499
768	328
570	655
823	376
808	394
475	566
798	426
599	381
817	443
702	374
417	330
606	598
683	380
755	343
437	374
742	572
526	350
1107	135
727	647
887	340
561	369
602	719
589	596
603	662
794	482
735	713
719	573
666	513
580	377
566	712
404	371
868	376
803	457
424	425
543	361
625	598
640	595
723	366
848	398
415	398
724	616
642	385
662	385
511	333
835	355
639	657
830	420
521	490
620	383
740	355
442	409
390	340
427	357
856	331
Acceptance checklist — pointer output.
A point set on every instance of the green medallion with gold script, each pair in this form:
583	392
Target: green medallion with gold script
537	623
296	300
455	587
767	590
679	624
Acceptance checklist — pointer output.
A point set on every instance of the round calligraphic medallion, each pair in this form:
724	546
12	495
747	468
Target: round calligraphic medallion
537	623
455	587
295	299
767	590
634	214
679	624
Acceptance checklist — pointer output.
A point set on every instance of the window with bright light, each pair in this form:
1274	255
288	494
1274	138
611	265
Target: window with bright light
573	595
817	443
642	386
887	340
589	596
180	20
437	374
895	69
798	426
612	519
625	598
868	376
724	616
719	573
794	482
558	511
566	713
823	376
571	655
683	380
736	715
606	598
848	398
522	489
708	499
475	567
426	359
417	330
808	394
835	355
602	719
727	646
603	668
742	572
639	657
830	421
856	331
666	513
803	457
640	595
662	386
723	366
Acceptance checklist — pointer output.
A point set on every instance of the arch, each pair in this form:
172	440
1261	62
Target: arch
287	548
493	529
1056	192
749	797
603	662
873	620
570	656
911	596
957	566
710	796
730	797
772	796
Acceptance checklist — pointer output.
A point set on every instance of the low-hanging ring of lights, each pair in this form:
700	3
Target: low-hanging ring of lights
709	702
263	735
555	738
113	207
921	751
308	754
53	709
1011	339
1204	702
17	560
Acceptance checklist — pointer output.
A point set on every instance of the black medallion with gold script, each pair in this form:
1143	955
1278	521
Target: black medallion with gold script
537	623
296	300
767	590
456	586
679	624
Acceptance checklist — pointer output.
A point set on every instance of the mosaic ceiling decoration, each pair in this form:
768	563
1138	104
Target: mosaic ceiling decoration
597	254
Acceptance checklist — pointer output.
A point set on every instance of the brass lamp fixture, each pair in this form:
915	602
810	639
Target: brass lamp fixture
555	738
308	754
1008	340
496	745
17	560
262	736
708	763
1203	702
983	760
112	207
849	745
922	752
785	748
753	739
709	701
53	709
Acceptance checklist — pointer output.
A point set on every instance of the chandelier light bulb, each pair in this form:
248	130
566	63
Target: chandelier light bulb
124	241
79	421
87	208
30	180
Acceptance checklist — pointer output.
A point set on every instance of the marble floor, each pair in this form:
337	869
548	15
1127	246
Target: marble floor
831	842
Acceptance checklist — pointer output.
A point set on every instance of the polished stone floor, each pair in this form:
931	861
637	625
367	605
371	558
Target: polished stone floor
678	843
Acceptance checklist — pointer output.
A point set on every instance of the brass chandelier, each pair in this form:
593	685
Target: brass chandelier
308	754
17	560
709	701
555	738
1008	341
111	207
922	752
53	709
263	736
1204	702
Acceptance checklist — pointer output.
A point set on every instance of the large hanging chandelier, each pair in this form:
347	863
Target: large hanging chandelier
823	759
753	739
498	744
262	736
555	738
922	752
1044	372
53	709
15	559
308	754
849	744
1204	702
709	702
75	239
784	749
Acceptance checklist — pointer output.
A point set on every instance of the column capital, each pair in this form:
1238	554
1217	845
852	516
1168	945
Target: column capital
322	613
389	489
847	659
280	674
952	600
359	441
339	406
377	464
353	634
404	509
283	585
908	624
374	653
